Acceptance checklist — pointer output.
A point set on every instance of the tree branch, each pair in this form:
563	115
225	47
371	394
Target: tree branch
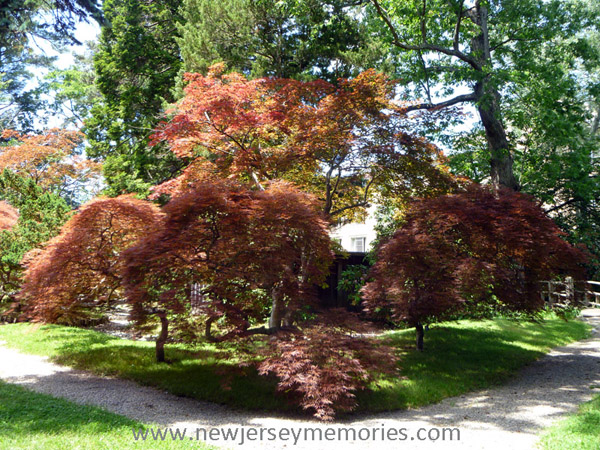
345	208
425	46
423	23
562	205
453	101
457	27
510	39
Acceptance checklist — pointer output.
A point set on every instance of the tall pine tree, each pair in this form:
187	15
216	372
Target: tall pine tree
136	65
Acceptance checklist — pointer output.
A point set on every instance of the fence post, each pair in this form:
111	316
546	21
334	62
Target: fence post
570	289
550	293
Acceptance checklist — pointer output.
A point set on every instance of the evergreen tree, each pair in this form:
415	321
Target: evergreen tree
41	214
294	39
136	66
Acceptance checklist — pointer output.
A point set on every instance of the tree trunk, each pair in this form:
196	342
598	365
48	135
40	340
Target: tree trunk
207	328
488	106
288	318
420	335
596	122
276	310
162	337
501	161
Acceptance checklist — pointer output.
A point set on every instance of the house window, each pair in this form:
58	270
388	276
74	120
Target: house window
357	244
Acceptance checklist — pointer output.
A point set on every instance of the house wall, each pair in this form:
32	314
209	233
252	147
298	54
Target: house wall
345	233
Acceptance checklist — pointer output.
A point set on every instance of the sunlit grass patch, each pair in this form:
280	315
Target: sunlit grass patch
459	357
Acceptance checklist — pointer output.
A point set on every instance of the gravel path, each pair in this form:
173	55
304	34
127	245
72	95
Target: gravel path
508	417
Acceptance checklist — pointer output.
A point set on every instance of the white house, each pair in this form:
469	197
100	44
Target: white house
356	237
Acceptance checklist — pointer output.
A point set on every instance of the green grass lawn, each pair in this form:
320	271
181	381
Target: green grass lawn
459	357
37	421
580	431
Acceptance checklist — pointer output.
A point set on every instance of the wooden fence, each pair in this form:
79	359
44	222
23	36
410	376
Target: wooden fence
570	292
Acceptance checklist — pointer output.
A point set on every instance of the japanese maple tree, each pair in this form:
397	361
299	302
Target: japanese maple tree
50	159
463	252
340	143
81	268
8	216
327	360
322	362
230	241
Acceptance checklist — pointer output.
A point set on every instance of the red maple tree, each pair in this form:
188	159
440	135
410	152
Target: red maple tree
340	143
50	159
229	242
468	251
81	267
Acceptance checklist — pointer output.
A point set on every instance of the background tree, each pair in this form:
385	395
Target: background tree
293	39
19	101
136	64
342	144
40	216
551	119
466	252
74	88
44	18
52	160
22	25
487	47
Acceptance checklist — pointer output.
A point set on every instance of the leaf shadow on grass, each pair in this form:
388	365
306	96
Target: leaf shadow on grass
211	377
457	360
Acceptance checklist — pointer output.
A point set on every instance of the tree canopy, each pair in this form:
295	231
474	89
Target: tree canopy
22	24
81	267
136	63
485	47
303	40
40	216
468	253
344	144
52	160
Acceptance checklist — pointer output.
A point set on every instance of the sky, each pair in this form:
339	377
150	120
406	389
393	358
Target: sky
83	32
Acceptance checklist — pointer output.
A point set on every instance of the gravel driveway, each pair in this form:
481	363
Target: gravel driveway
508	417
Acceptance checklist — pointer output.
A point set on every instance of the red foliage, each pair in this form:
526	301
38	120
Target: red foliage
230	241
9	216
81	267
50	159
340	144
240	122
325	364
457	253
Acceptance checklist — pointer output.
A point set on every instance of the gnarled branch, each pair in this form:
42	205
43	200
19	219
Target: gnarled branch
425	46
453	101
